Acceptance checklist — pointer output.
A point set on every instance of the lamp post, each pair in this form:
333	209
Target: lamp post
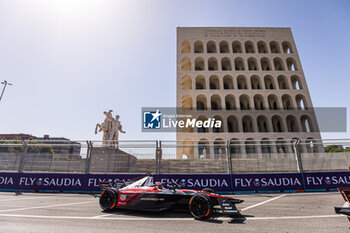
3	90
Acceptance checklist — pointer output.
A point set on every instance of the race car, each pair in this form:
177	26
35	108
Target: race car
145	195
345	209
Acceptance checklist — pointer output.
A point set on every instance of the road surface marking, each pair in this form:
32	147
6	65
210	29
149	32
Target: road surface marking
163	219
263	202
47	206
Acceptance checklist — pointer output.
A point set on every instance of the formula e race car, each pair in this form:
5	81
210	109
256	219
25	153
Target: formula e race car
345	209
145	195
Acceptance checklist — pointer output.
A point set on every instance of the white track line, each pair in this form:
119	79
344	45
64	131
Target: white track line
102	215
296	217
24	198
47	206
263	202
163	219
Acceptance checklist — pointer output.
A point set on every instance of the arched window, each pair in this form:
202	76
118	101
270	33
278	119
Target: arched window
269	84
232	124
287	102
242	82
311	145
219	148
301	103
198	47
188	149
224	47
226	63
249	47
199	64
187	129
228	82
186	103
255	82
273	103
221	128
215	101
281	146
239	65
282	82
235	147
252	64
278	63
212	64
275	48
211	47
185	47
247	124
250	146
296	82
262	47
277	124
265	64
266	146
262	124
291	64
186	64
203	149
201	102
244	102
186	83
306	124
287	47
214	82
230	102
292	124
202	129
259	102
236	47
200	82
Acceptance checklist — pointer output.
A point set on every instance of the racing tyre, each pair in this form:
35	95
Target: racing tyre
108	199
208	190
200	206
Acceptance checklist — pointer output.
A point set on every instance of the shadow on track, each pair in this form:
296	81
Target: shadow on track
168	214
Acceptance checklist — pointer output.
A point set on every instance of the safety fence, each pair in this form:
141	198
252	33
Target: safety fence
226	166
164	157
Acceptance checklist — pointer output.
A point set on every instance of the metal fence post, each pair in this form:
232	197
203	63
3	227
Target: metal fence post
88	157
23	157
228	156
296	147
158	156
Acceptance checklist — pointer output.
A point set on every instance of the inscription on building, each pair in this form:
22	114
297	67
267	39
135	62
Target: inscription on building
234	33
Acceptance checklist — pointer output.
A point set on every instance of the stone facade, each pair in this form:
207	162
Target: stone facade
249	78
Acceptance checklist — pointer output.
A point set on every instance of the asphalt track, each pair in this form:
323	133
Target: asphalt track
276	212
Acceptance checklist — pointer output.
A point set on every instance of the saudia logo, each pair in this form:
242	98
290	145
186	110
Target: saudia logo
154	120
6	180
29	181
265	182
201	183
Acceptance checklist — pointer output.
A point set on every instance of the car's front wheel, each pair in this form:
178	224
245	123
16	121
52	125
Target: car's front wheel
108	199
200	206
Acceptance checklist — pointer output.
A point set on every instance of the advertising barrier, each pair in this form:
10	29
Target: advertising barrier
218	182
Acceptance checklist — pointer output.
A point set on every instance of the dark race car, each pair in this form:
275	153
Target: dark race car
345	209
145	195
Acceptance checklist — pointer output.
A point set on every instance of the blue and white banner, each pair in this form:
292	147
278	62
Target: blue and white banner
218	182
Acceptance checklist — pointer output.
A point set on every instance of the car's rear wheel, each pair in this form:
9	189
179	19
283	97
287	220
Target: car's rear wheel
200	206
108	199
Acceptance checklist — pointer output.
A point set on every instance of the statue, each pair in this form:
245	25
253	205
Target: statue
110	128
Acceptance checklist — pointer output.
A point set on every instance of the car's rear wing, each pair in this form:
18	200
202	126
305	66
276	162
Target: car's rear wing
104	185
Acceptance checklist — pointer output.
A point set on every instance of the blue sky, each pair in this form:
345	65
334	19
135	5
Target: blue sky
71	60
